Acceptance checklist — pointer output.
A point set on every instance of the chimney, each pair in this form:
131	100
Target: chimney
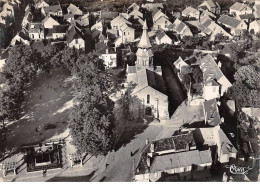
148	160
146	141
152	147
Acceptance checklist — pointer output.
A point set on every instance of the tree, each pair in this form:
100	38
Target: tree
245	91
92	118
11	99
249	75
21	66
49	56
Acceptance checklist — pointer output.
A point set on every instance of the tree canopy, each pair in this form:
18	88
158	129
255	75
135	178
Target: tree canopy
92	118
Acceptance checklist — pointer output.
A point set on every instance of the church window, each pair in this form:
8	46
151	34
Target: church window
148	99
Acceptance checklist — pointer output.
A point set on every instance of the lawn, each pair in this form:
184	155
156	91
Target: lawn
47	101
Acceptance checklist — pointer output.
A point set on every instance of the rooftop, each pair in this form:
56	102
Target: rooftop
229	21
211	112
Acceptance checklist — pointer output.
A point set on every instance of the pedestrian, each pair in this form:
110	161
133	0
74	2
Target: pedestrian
107	165
36	130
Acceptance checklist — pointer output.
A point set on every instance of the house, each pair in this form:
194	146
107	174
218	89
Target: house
162	23
57	32
118	21
191	12
83	21
41	4
158	15
168	159
98	26
136	14
69	17
214	136
210	28
74	38
181	28
48	22
257	9
18	39
132	7
211	113
162	38
72	9
179	63
109	57
240	9
27	18
211	71
236	26
152	6
36	31
255	26
54	10
126	33
210	6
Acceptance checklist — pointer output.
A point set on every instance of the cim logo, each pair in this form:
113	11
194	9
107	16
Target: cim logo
238	170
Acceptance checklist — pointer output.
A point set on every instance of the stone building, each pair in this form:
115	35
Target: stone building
150	87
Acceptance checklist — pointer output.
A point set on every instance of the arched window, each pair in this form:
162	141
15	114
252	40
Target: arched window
148	99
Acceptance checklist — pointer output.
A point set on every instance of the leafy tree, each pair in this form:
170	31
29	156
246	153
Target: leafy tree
49	56
92	118
21	65
11	99
249	75
245	91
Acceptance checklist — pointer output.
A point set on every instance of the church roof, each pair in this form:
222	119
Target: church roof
145	41
152	79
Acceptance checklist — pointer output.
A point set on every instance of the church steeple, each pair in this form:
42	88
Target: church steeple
144	53
145	41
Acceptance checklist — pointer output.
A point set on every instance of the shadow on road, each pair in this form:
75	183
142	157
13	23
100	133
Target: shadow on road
74	178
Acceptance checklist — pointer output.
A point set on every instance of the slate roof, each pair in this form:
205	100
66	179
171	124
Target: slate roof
179	160
209	68
211	112
160	34
147	78
230	21
238	6
60	29
247	16
67	16
73	33
53	8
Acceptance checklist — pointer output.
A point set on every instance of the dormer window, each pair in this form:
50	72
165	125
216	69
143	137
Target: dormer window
32	26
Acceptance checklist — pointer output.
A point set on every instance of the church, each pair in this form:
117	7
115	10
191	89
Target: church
150	87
